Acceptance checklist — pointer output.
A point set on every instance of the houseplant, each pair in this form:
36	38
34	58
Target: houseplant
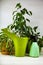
19	25
6	45
20	43
3	40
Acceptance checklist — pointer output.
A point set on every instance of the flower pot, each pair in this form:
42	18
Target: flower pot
20	46
34	50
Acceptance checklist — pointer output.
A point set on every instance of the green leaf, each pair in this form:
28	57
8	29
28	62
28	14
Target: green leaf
9	26
1	33
38	33
13	12
23	12
14	16
28	20
30	13
18	5
42	37
12	27
35	28
18	14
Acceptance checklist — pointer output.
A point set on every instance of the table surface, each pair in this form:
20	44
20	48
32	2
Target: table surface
12	60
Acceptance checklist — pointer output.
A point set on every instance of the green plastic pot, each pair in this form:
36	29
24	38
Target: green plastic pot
34	50
20	43
20	46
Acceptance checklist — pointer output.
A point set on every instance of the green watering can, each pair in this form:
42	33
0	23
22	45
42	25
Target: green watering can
34	50
20	43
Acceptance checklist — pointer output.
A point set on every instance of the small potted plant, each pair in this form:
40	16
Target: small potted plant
19	25
3	40
4	44
20	43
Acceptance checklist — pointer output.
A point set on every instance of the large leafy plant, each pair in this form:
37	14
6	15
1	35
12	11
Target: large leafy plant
19	21
19	25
